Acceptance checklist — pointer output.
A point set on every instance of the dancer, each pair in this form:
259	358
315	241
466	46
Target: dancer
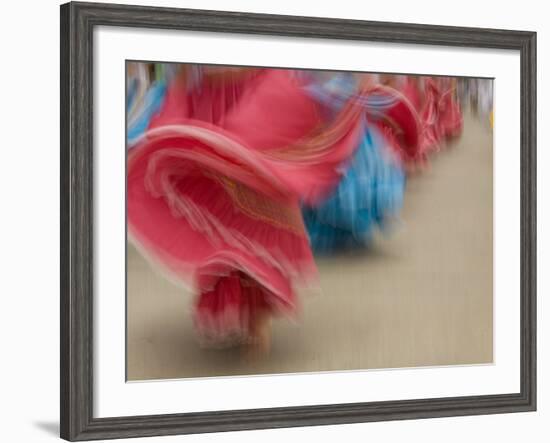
214	193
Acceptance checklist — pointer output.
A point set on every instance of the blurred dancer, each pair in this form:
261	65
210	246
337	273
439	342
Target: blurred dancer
215	186
235	174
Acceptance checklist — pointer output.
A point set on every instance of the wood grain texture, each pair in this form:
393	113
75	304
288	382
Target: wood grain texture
76	298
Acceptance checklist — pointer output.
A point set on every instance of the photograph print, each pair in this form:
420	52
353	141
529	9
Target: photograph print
296	221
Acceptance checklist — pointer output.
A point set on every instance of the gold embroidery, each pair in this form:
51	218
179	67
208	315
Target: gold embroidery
259	206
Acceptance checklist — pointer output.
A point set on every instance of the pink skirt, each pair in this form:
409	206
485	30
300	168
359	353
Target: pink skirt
214	199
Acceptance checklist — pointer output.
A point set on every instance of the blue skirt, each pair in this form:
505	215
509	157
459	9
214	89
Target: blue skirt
369	193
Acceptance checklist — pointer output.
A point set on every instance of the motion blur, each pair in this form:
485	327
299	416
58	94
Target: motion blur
239	178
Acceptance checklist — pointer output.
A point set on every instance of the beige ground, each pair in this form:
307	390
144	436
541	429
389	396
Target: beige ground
421	296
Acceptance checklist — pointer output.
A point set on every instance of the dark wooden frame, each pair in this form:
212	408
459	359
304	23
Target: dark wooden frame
77	24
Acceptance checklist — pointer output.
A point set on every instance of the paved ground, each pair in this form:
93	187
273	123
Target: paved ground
421	296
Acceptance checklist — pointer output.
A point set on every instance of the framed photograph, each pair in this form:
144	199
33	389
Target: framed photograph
272	221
